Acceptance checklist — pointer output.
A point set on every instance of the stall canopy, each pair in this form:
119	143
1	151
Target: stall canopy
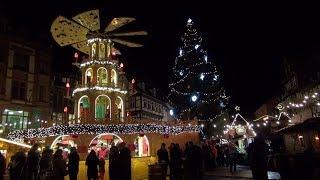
309	124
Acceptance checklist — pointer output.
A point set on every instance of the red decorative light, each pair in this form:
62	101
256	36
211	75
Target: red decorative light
65	109
76	55
121	65
67	85
133	81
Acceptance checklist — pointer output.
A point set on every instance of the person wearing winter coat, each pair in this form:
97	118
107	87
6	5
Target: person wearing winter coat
73	165
125	162
114	162
17	166
45	163
92	163
2	166
59	166
33	159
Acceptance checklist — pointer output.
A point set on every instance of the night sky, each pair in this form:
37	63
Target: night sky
247	41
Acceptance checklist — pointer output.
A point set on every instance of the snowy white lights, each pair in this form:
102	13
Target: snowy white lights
99	129
99	88
171	112
189	21
196	46
180	52
201	76
194	98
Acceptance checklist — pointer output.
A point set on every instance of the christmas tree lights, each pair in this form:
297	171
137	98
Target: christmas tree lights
195	89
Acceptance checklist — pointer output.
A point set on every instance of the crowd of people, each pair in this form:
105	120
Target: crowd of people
195	159
183	163
50	165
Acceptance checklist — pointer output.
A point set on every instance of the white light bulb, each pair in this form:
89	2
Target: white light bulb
180	52
201	76
206	58
181	73
194	98
196	46
215	78
171	112
189	21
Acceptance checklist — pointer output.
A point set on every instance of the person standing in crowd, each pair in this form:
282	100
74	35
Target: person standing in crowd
113	162
207	156
233	157
45	163
125	161
92	162
175	162
17	166
227	155
73	165
163	159
59	166
101	168
214	155
33	159
258	151
2	166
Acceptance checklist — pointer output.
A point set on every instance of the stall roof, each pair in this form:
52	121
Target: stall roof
309	124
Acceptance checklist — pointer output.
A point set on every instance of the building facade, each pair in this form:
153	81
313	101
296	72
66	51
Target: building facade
301	88
62	103
25	69
146	103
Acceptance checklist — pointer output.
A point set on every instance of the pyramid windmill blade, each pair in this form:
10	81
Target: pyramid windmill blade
82	46
65	31
126	43
136	33
89	19
118	22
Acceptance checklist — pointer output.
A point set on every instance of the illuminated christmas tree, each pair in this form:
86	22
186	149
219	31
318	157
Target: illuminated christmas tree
195	88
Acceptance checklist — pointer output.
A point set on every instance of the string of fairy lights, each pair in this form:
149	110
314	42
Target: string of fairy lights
98	88
99	129
93	62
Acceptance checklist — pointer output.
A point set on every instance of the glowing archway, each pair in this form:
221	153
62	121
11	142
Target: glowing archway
60	139
83	106
142	147
102	76
93	50
103	142
120	108
114	78
102	51
103	107
88	76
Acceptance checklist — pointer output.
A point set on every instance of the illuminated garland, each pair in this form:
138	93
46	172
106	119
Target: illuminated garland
195	92
99	88
306	99
92	62
99	129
